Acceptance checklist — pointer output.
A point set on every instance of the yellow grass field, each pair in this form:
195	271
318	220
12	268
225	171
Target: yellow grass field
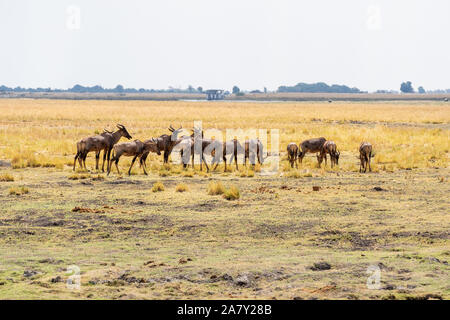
186	234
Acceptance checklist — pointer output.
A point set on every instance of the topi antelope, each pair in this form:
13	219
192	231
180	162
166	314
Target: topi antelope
131	149
198	144
97	143
292	151
232	148
143	157
365	153
330	148
311	146
253	147
166	143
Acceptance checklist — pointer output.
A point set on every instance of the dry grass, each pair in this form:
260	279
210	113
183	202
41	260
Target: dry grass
158	187
17	191
181	187
43	133
215	188
6	177
232	193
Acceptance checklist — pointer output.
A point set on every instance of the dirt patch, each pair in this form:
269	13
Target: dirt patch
206	206
84	210
320	266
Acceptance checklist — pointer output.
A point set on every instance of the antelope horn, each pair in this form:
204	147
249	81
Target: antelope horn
171	129
120	126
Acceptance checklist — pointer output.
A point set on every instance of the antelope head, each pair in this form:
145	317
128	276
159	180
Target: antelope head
175	132
336	156
155	142
124	131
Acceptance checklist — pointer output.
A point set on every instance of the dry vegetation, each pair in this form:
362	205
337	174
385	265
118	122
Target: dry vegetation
278	238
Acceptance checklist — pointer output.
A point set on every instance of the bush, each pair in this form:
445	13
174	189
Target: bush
181	187
6	177
232	193
215	188
17	191
158	186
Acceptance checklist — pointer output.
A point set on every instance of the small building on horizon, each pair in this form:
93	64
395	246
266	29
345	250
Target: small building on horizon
215	94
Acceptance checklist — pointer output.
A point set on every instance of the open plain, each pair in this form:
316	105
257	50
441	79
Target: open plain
276	238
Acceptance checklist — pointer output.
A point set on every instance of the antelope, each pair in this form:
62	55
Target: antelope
144	155
311	146
197	140
97	143
365	153
292	150
251	146
330	148
132	149
233	148
166	143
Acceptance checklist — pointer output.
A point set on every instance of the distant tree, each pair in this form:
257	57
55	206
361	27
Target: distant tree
190	88
406	87
119	88
200	89
236	90
318	87
265	90
421	90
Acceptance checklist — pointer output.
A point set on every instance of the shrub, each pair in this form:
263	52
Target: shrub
232	193
158	186
215	188
17	191
181	187
6	177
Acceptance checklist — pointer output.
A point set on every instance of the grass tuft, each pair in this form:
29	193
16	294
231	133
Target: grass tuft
6	177
181	187
17	191
232	193
158	186
215	188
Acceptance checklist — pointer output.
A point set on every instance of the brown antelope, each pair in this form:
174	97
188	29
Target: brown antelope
311	146
144	155
131	149
253	147
166	143
365	153
292	151
232	148
97	143
330	148
198	144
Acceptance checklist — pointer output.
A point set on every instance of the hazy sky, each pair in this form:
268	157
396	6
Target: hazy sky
218	44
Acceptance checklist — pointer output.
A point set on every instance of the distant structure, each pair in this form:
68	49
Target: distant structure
214	94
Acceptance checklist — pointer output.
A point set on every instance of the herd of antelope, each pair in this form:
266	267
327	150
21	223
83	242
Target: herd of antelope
253	148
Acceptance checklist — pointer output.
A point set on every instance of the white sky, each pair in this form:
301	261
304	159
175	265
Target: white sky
217	44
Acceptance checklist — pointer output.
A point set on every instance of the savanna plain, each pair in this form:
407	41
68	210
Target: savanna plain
306	233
